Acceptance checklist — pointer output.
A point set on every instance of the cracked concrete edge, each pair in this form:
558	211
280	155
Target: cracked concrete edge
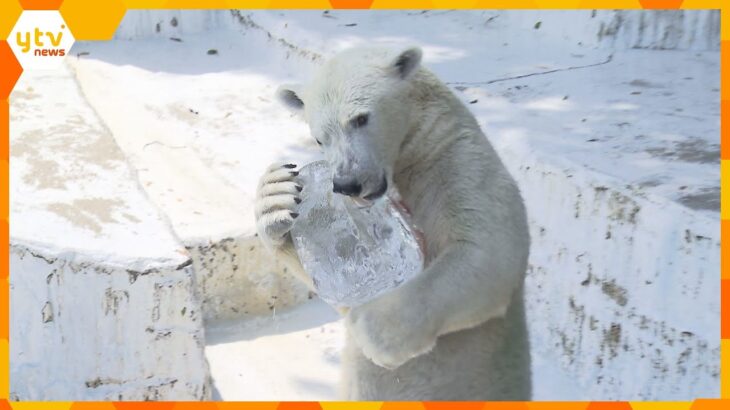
538	73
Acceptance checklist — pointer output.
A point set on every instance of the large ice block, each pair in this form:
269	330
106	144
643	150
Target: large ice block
353	254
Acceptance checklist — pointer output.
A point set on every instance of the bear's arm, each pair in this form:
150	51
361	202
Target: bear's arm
460	289
467	285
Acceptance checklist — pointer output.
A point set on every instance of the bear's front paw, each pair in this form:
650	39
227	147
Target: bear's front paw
390	331
276	200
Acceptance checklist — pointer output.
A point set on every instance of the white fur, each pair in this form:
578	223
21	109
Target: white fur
456	331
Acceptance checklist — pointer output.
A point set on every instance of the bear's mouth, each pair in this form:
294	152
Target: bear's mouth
361	202
382	189
366	201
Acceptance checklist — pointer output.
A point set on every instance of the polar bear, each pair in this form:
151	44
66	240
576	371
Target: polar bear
457	330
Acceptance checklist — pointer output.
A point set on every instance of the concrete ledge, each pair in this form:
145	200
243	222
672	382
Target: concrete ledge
103	301
198	156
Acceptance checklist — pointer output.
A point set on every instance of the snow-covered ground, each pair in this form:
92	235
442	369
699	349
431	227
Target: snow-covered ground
608	120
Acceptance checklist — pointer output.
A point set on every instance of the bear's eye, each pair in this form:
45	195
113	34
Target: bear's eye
318	141
359	121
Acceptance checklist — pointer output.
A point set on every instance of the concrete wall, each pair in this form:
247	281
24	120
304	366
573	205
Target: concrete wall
658	29
613	29
82	330
622	289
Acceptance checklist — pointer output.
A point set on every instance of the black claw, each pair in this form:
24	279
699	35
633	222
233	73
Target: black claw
293	214
299	188
298	200
290	166
294	173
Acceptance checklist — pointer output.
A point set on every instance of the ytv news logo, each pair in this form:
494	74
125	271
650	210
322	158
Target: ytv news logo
40	39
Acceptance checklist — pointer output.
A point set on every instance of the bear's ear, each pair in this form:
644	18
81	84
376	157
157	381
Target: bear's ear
407	61
289	96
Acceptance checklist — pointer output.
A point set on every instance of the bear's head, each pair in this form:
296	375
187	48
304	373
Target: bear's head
358	109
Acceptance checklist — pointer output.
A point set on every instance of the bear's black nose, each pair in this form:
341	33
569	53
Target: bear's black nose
346	186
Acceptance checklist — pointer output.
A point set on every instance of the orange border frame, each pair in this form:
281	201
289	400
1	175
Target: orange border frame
97	20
